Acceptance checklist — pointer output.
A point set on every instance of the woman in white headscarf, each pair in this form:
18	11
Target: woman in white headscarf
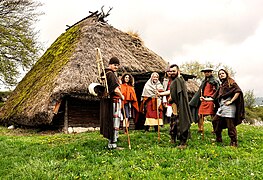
150	102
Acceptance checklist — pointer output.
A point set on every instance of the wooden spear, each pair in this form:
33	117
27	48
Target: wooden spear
126	126
202	121
157	110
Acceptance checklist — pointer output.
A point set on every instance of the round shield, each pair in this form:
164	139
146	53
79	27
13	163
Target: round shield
92	87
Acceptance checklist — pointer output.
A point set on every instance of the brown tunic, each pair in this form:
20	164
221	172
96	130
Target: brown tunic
106	106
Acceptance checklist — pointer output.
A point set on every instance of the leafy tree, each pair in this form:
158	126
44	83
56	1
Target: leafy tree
195	67
18	45
249	99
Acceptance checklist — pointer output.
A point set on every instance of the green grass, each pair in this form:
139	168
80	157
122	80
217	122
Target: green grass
27	154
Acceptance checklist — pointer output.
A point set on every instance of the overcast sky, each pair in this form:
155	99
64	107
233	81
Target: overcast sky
217	31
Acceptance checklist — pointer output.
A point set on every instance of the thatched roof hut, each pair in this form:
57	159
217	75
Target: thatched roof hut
67	68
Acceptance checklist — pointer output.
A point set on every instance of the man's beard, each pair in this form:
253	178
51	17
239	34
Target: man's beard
173	76
208	77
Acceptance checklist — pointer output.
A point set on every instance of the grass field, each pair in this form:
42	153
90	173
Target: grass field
28	154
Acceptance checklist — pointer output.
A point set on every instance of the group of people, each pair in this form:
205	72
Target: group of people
168	102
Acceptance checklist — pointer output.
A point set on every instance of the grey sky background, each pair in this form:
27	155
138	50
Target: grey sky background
217	31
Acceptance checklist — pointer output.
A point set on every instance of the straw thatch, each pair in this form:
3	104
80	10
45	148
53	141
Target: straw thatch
69	66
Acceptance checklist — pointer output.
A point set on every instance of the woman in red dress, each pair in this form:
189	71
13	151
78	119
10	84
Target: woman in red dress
151	104
130	102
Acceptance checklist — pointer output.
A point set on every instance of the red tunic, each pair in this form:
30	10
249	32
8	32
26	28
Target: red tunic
207	107
130	96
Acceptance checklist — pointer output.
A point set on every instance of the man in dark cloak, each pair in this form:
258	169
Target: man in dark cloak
181	118
110	106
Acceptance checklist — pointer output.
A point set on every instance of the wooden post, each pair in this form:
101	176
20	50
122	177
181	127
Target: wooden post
66	117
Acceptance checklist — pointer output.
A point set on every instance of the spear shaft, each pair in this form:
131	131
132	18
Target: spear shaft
126	126
202	120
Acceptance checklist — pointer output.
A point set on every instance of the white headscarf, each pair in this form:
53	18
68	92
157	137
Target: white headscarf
150	87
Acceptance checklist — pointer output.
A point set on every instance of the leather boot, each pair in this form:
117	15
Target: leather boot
219	137
233	143
173	139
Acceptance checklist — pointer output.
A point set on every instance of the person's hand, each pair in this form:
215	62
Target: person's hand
122	97
158	93
170	100
228	102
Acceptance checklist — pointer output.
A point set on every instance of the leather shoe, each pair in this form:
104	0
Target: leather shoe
182	146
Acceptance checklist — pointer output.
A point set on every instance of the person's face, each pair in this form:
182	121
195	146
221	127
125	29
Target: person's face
126	78
168	74
222	75
155	78
114	67
173	72
208	73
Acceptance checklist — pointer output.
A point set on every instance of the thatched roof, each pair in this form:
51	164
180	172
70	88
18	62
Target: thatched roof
192	86
69	66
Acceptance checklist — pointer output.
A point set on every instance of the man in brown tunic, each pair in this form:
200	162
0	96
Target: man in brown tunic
110	107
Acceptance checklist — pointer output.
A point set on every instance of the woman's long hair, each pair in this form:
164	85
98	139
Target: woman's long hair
131	79
228	79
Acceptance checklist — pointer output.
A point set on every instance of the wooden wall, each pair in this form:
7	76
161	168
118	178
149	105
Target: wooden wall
83	113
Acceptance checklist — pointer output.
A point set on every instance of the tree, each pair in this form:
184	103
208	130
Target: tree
19	48
249	99
195	67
